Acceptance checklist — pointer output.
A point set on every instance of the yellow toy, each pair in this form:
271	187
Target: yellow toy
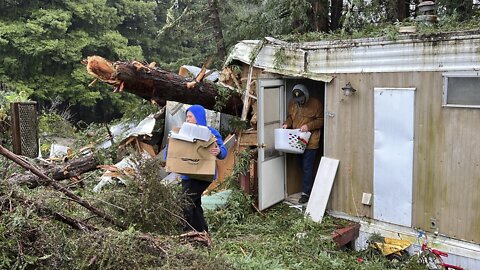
393	249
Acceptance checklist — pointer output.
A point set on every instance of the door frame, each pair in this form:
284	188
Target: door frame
270	191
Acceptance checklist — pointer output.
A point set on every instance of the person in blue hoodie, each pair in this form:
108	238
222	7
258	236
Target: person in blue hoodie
194	188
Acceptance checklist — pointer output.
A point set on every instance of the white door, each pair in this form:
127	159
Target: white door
393	155
271	163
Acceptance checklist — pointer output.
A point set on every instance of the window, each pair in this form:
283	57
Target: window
461	89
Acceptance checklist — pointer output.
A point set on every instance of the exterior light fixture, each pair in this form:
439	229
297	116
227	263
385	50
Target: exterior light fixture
348	90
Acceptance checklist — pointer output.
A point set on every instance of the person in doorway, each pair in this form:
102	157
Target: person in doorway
194	188
305	113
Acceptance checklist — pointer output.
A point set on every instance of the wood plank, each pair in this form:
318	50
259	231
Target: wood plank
346	235
248	138
321	188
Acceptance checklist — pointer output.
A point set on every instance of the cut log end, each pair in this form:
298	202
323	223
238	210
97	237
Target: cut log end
100	68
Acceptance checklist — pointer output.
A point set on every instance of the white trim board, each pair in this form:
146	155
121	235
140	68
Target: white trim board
321	188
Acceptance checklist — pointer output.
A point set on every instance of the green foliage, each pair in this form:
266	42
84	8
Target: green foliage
109	249
24	236
237	210
53	123
41	46
221	99
462	9
146	202
138	110
42	42
280	58
237	124
32	241
95	14
7	96
282	238
256	50
242	165
255	19
187	34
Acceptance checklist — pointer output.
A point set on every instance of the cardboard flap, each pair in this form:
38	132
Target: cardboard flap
207	144
191	158
201	169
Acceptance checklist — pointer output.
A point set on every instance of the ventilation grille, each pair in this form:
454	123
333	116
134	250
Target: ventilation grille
24	129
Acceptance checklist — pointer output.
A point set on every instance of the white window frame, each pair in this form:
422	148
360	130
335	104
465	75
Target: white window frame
446	76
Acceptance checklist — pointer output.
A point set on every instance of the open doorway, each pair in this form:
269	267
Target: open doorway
294	173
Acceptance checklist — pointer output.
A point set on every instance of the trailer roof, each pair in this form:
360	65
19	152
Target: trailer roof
453	51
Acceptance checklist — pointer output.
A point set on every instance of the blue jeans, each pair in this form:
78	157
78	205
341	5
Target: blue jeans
307	160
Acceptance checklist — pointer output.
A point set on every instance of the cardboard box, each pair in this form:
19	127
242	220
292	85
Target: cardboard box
191	158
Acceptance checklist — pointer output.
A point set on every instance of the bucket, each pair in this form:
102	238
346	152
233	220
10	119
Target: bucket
291	140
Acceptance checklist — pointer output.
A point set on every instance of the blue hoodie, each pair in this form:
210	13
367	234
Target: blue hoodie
201	116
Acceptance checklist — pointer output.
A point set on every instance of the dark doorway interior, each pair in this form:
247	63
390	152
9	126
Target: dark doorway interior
316	89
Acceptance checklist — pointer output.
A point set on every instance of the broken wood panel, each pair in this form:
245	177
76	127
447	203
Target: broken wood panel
321	188
248	138
147	148
346	235
224	169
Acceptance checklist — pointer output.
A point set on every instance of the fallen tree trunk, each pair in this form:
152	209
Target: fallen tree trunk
73	168
155	84
45	211
46	181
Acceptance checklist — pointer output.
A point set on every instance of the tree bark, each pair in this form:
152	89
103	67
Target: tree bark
158	85
336	7
402	9
46	181
217	29
74	168
319	15
465	9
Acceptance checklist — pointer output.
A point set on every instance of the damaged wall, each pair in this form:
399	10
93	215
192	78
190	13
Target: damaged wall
446	160
446	157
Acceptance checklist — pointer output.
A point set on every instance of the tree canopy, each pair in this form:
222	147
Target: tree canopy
42	43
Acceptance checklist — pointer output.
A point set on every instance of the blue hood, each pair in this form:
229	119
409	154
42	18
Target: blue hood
199	113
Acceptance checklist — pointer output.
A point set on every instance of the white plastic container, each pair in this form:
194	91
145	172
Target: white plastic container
192	132
291	140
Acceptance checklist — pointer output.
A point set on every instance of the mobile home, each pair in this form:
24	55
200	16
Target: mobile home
402	117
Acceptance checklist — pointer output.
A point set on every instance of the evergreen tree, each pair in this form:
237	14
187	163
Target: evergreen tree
43	42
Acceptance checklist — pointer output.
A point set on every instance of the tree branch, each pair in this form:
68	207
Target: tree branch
48	182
